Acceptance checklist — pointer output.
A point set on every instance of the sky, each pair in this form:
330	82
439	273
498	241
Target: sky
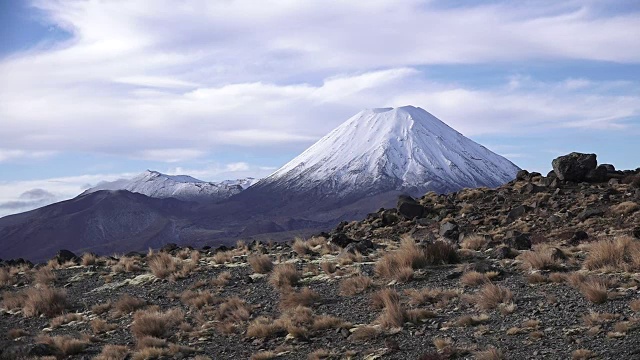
95	90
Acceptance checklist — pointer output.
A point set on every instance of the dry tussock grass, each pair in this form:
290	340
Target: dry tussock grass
264	355
88	259
264	327
489	354
65	319
155	323
399	264
222	279
635	305
162	265
100	309
473	278
304	297
44	276
595	290
99	326
16	333
541	258
625	208
595	318
469	320
430	296
231	314
113	352
582	354
198	299
6	277
127	304
474	242
297	322
301	247
222	257
126	264
619	254
355	285
324	322
328	267
366	332
37	301
491	295
261	264
536	278
284	276
65	345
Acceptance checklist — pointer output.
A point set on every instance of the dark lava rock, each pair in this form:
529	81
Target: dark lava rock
574	166
42	350
532	189
65	255
449	230
518	240
389	218
409	207
577	237
636	232
169	247
516	212
340	239
362	246
587	213
504	252
523	175
597	175
608	167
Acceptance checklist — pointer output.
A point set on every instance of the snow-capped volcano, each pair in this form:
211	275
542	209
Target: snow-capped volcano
388	149
183	187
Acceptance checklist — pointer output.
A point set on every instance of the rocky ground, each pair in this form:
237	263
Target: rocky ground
543	267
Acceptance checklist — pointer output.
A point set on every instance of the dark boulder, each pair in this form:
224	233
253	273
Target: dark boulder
518	240
517	212
597	175
64	256
169	247
588	213
636	232
340	239
42	350
523	175
362	246
449	230
578	237
575	166
504	252
409	207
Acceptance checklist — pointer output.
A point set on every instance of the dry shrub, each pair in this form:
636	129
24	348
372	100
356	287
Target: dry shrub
536	278
233	308
65	319
556	277
155	323
44	276
473	278
44	301
163	265
398	264
263	327
539	259
595	290
319	354
304	297
113	352
222	279
284	276
151	342
595	318
126	264
415	316
355	285
261	264
366	332
297	322
441	252
13	300
99	326
65	345
620	254
222	257
301	247
635	305
127	304
468	320
88	259
198	299
582	354
16	333
489	354
264	355
6	278
328	267
443	344
491	295
474	242
150	353
625	208
324	322
100	309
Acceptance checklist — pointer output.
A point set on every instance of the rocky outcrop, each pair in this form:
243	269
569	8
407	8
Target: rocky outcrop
574	166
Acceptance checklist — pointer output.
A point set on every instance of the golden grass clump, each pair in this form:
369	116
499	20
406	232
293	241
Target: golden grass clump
366	332
491	295
99	326
355	285
222	279
619	254
65	319
163	265
65	345
541	258
625	208
113	352
126	264
595	290
474	242
582	354
473	278
399	264
490	353
16	333
261	264
88	259
301	247
264	355
198	299
6	277
263	327
222	257
155	323
44	276
127	304
38	301
304	297
284	276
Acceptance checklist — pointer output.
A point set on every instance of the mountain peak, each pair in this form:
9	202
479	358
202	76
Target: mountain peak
394	149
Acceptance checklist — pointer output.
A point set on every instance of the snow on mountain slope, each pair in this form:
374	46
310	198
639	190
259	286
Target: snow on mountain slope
183	187
386	149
